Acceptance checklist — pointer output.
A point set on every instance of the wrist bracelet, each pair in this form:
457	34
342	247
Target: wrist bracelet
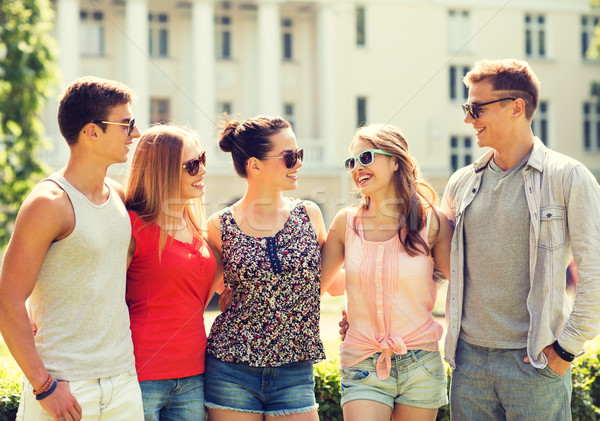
48	392
45	387
562	353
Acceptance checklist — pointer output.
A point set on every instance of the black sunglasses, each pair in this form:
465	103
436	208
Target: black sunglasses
291	157
475	109
365	158
129	125
193	165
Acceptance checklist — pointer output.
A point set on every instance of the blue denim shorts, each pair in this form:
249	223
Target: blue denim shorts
179	399
273	391
417	378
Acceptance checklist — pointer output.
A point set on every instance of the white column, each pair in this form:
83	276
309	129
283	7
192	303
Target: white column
203	66
67	27
326	83
138	60
269	58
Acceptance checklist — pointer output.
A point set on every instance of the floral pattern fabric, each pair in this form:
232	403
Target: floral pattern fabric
273	318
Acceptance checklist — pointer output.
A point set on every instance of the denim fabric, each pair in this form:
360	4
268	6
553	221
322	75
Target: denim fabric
174	399
116	398
417	378
564	208
495	384
273	391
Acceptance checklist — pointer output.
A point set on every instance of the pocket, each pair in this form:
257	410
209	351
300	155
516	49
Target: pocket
552	227
548	373
354	374
434	367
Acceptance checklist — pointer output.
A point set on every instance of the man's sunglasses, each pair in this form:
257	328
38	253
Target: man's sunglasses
475	109
193	165
129	125
291	157
365	158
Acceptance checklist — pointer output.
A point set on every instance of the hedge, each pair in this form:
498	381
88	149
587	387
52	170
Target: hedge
585	402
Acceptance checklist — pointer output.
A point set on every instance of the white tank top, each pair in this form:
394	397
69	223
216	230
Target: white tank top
78	303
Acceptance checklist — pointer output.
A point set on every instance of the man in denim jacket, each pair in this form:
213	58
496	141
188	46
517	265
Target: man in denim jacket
521	213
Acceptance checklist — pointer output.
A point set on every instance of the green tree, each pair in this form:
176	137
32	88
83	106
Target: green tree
594	51
26	73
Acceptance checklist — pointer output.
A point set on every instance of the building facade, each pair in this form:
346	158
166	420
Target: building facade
328	66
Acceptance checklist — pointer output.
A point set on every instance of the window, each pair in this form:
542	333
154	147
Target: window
535	36
588	28
361	111
91	33
160	110
461	152
224	107
288	113
286	29
459	31
223	37
458	90
158	40
539	125
591	126
361	40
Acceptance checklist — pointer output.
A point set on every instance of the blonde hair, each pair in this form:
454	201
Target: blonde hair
414	194
155	178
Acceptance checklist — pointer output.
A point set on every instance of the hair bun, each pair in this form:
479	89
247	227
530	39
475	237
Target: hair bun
228	136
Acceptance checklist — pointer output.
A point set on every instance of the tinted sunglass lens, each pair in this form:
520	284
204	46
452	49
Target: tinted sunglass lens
366	158
349	164
300	154
290	159
202	158
130	126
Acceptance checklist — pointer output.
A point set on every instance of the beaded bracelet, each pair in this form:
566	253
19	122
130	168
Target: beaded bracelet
45	387
47	392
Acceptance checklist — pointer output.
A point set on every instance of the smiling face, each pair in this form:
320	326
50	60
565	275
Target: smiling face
191	187
274	169
114	142
493	126
375	178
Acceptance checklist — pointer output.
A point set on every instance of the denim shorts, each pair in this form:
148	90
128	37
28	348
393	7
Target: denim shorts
417	378
179	399
273	391
495	384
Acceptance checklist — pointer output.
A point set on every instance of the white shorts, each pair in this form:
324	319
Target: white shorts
116	398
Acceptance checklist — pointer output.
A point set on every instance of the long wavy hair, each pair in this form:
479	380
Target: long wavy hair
153	188
414	195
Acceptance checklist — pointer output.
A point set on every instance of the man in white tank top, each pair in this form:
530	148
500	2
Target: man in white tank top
67	256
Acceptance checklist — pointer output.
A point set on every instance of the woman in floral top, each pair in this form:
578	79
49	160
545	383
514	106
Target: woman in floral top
261	350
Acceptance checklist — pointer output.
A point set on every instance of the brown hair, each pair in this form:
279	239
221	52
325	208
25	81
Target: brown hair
249	138
155	177
411	190
510	75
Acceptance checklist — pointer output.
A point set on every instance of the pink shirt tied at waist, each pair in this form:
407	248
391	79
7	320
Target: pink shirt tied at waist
390	297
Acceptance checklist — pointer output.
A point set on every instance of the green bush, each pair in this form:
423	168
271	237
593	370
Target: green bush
10	393
327	390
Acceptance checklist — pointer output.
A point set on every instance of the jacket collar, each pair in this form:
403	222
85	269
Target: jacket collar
536	159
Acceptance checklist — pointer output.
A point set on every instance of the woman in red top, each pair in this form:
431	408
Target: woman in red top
171	272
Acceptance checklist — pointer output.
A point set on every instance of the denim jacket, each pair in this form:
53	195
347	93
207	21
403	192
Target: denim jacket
564	206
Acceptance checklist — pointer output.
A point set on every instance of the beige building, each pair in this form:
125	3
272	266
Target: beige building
327	66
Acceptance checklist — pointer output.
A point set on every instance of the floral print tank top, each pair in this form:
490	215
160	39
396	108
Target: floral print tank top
273	318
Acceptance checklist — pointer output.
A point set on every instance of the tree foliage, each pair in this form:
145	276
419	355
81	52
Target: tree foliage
594	50
26	73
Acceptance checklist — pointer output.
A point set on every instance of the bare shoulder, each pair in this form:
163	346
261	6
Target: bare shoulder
48	211
312	209
117	187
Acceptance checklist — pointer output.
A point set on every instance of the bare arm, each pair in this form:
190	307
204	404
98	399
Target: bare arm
45	216
215	243
316	218
333	256
441	246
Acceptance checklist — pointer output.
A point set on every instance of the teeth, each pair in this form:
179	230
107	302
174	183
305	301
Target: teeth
479	130
363	178
198	184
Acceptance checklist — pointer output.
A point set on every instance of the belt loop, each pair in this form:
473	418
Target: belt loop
413	356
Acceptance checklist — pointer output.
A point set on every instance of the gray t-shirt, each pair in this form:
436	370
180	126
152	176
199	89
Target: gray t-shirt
497	261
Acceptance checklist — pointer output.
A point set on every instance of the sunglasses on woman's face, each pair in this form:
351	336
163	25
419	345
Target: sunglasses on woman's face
291	157
364	158
193	165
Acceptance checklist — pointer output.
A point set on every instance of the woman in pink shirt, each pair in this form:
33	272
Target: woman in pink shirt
391	364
